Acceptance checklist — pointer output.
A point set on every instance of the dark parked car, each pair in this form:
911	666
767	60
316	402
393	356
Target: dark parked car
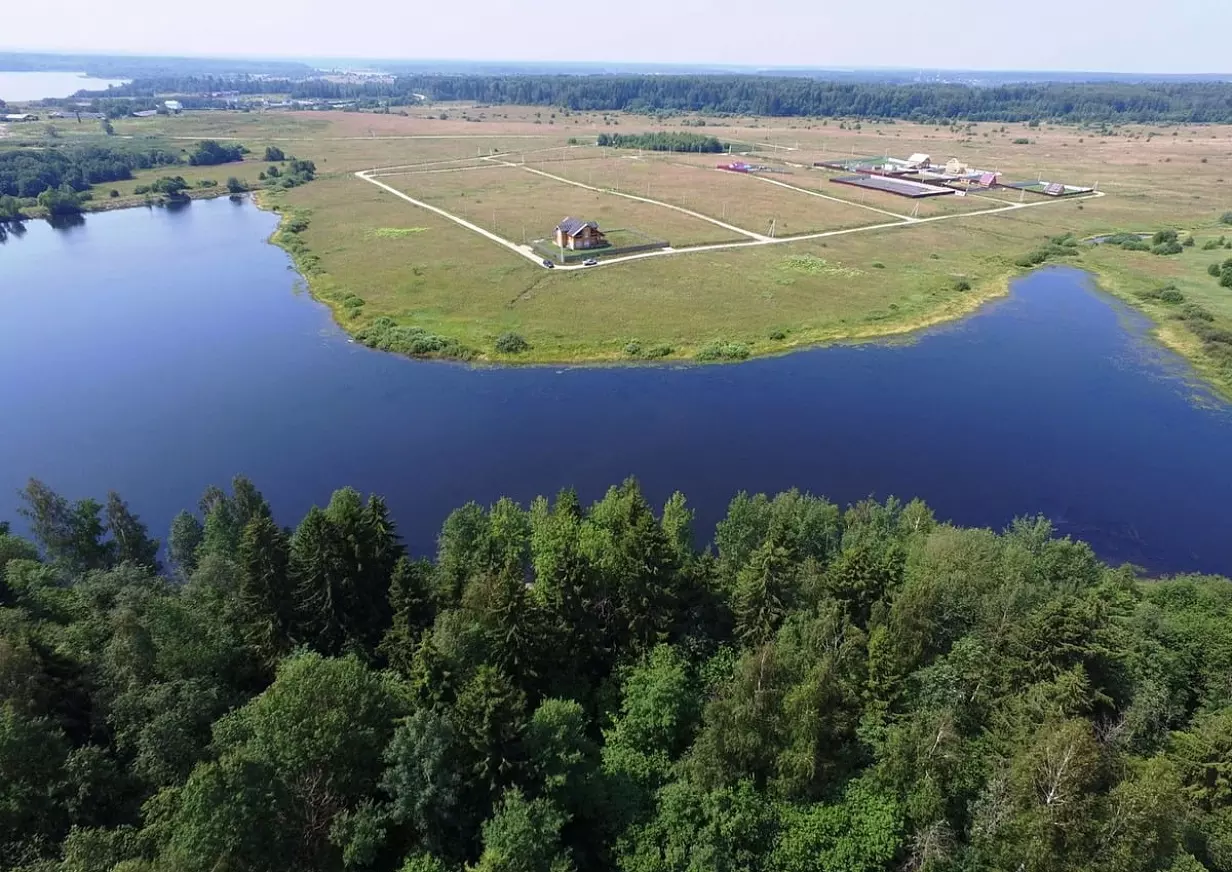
549	264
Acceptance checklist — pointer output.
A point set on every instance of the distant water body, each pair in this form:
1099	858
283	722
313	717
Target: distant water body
155	352
19	87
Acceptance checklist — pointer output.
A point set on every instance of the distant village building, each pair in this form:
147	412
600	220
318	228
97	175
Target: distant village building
919	161
576	234
174	106
18	117
145	113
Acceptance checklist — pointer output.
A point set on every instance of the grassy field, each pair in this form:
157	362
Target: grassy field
741	200
422	270
523	206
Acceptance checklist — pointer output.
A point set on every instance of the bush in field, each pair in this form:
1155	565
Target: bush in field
511	343
720	350
171	186
209	152
1167	294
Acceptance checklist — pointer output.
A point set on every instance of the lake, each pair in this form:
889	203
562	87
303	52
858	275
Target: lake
20	87
155	352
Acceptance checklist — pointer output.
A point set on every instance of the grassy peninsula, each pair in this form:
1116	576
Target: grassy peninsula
410	279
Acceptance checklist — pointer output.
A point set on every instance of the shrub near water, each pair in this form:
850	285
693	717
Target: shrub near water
1058	246
385	334
511	343
1167	294
721	350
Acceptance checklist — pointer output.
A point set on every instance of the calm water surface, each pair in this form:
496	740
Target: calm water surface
36	86
156	352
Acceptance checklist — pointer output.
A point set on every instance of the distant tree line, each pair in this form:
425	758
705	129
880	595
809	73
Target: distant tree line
1200	102
754	95
695	142
568	687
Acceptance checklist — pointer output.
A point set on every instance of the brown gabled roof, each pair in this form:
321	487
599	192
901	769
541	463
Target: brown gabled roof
573	226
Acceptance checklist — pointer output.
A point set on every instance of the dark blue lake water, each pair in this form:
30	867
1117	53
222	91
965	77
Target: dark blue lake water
155	352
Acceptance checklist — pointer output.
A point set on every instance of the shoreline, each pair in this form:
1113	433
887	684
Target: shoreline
325	290
1167	334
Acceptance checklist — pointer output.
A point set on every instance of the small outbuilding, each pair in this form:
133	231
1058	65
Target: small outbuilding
19	117
919	161
174	106
576	234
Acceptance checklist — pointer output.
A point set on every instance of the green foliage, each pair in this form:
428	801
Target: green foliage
388	335
28	172
661	141
571	687
172	186
863	833
1167	294
210	152
273	154
523	836
235	186
60	201
511	343
1057	247
722	350
10	209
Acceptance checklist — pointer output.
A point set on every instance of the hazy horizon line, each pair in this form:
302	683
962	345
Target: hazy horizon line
694	65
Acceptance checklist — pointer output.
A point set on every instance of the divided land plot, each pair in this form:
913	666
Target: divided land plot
737	199
807	178
523	206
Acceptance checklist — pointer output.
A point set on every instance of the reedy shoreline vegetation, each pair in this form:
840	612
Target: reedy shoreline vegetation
568	688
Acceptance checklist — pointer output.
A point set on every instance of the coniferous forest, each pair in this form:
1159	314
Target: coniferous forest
567	687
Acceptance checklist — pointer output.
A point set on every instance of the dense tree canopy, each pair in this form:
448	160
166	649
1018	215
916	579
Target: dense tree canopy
27	172
579	688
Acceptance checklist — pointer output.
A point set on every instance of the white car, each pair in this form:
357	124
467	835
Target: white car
590	261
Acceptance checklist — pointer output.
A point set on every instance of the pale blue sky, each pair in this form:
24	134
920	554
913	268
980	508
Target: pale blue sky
1113	35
